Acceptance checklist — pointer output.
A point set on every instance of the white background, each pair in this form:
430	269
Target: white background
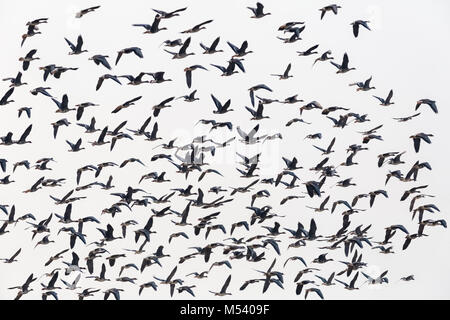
407	51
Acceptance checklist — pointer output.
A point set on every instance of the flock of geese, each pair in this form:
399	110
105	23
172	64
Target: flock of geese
259	237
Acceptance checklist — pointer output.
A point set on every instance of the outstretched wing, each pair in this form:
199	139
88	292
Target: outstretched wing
71	45
185	45
25	134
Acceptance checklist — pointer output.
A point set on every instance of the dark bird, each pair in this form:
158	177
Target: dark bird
137	51
404	119
17	81
374	194
108	234
135	81
356	26
101	59
329	148
28	58
418	137
289	25
32	30
152	28
324	57
57	124
13	257
190	97
258	12
76	49
151	136
230	69
255	88
158	77
212	49
75	147
343	68
223	291
363	86
327	282
126	104
105	77
428	102
25	288
4	101
169	280
171	14
27	110
413	190
81	13
188	72
258	113
197	27
334	8
172	43
63	106
239	52
114	291
285	75
386	102
182	52
309	51
101	138
221	108
414	171
350	286
41	90
82	106
315	290
163	104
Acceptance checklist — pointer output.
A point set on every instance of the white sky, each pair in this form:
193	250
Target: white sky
406	51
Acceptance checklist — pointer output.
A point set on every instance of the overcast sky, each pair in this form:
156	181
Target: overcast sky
407	51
